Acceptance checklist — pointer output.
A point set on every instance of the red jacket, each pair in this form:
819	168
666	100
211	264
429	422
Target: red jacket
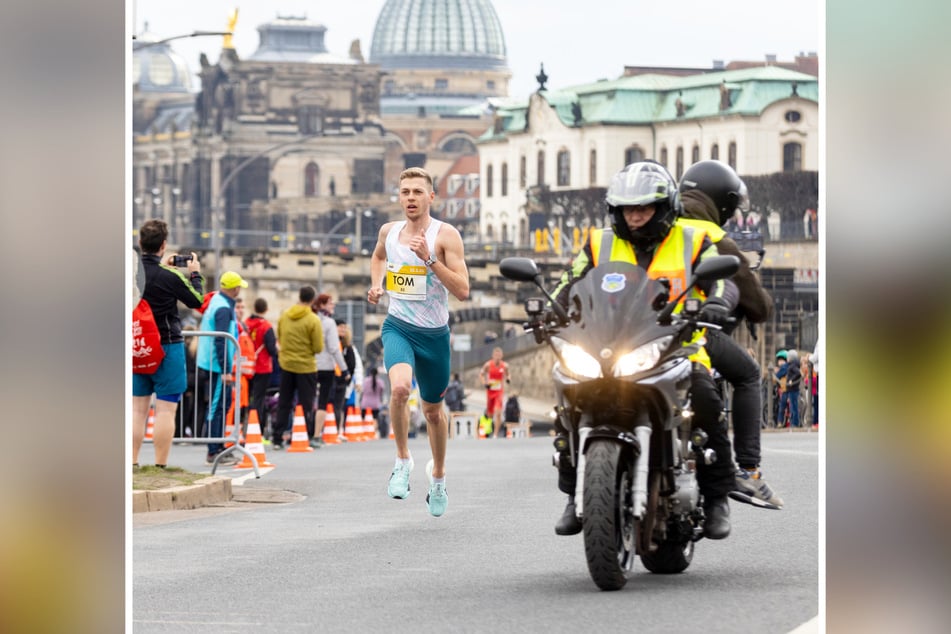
258	328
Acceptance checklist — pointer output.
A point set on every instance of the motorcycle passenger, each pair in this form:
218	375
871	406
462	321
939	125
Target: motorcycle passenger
644	205
711	193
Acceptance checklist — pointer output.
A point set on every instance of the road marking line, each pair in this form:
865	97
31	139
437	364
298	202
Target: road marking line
793	451
240	479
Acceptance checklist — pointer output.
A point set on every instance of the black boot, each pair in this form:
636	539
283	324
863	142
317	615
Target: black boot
568	523
717	522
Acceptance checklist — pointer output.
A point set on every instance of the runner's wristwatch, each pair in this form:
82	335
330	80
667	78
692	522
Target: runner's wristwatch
430	261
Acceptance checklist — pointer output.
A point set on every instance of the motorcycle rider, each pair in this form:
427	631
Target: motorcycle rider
644	205
711	193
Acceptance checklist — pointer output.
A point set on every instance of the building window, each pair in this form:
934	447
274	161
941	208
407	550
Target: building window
311	120
715	152
522	173
792	116
680	161
311	176
488	181
731	157
490	84
564	168
541	167
792	157
593	168
663	156
442	84
695	154
505	179
633	154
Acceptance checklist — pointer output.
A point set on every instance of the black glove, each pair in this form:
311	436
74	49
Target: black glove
716	312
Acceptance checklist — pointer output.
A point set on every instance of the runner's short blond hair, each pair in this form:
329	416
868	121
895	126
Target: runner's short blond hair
417	172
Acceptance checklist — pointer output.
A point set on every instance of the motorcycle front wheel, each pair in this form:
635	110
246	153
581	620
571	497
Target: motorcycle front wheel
608	518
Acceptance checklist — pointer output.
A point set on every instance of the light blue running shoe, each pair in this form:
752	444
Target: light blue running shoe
436	500
399	480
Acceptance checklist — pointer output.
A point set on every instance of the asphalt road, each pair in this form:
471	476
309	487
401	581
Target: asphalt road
346	558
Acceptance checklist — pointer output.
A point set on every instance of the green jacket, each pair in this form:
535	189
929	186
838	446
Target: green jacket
299	338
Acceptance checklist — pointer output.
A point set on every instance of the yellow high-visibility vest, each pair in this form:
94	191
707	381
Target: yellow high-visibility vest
673	259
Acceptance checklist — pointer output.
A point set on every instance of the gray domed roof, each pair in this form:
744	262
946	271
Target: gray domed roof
462	34
157	68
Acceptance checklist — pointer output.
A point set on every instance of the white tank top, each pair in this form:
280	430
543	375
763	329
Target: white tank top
416	294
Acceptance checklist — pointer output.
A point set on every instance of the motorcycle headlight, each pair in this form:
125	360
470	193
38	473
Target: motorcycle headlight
576	360
641	358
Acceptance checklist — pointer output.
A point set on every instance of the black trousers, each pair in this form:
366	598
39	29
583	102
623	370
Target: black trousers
743	373
259	385
718	478
305	385
714	480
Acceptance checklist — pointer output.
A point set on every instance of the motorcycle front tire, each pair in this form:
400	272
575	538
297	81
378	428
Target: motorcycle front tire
609	527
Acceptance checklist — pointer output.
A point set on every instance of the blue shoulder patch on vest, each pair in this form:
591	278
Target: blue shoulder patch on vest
613	283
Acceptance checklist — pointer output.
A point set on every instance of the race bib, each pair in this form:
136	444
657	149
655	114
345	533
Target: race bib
495	384
406	281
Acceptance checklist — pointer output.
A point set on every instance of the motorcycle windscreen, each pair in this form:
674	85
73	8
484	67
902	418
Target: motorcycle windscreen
614	306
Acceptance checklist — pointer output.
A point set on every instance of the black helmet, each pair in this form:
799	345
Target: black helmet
718	181
644	183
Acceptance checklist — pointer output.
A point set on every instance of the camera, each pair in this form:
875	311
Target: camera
181	260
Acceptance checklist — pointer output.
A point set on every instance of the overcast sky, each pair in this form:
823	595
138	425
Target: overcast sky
579	41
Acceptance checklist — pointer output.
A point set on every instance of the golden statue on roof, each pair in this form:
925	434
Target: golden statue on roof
232	21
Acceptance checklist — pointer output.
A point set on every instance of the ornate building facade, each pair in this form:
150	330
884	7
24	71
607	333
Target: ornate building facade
274	148
276	145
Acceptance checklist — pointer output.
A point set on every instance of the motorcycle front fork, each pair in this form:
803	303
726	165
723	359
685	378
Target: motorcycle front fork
641	466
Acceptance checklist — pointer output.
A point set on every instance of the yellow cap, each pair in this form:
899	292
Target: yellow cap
230	279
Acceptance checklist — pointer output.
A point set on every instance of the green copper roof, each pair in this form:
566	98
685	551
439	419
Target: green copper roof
652	98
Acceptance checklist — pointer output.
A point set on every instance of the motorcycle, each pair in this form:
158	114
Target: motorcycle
621	377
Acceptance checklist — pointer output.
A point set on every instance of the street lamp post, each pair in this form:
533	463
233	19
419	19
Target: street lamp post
138	44
366	213
348	215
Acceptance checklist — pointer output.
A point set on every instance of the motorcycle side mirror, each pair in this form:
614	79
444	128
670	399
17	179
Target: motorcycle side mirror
519	269
717	267
526	270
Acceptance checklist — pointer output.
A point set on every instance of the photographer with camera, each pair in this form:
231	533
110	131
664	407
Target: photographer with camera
165	286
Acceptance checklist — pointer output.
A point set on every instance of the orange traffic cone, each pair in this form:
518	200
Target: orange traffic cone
330	427
299	440
390	435
150	425
369	426
354	425
229	427
254	443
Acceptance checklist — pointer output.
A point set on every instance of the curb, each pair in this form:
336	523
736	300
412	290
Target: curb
205	492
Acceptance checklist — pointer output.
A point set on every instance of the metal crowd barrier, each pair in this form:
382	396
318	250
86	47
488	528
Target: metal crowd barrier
191	424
